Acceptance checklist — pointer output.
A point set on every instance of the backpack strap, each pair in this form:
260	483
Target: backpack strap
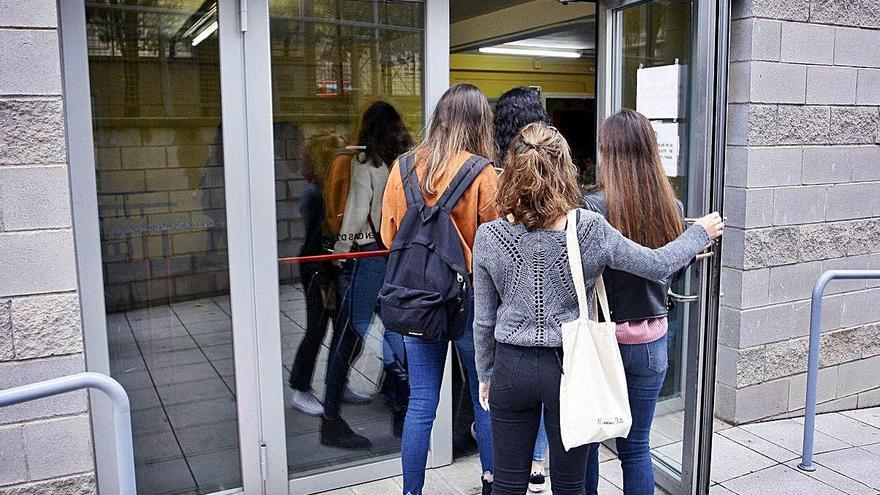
410	180
462	181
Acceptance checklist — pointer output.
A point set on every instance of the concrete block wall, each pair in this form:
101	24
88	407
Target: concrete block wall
802	195
45	446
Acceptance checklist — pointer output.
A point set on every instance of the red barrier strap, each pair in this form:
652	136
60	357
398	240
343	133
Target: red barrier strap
332	257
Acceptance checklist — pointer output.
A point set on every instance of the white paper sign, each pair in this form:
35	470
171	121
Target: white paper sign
658	90
667	141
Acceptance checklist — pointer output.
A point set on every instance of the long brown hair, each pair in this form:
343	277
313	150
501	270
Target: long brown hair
539	182
641	203
462	121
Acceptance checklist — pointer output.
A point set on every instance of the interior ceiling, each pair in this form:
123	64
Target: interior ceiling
460	10
580	35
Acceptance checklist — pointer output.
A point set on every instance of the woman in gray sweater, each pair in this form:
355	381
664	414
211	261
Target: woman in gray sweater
524	292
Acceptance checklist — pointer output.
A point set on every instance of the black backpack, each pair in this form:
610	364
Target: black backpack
427	290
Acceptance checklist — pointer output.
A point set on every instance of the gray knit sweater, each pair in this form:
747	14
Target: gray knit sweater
523	289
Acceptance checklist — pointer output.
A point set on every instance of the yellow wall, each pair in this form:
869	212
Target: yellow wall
495	74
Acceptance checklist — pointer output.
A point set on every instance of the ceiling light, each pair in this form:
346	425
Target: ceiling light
553	45
501	50
204	33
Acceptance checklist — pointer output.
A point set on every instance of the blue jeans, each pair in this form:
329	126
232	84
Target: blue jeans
540	452
645	366
425	362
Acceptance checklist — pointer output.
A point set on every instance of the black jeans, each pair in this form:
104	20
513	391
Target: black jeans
525	380
321	284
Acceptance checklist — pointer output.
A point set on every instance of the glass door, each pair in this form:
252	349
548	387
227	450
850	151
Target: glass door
657	57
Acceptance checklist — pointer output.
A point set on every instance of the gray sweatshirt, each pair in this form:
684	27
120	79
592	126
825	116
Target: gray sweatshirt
523	289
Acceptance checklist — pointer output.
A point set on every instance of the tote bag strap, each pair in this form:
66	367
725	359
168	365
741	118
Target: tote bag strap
575	264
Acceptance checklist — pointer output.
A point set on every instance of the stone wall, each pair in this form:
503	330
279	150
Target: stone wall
45	446
802	194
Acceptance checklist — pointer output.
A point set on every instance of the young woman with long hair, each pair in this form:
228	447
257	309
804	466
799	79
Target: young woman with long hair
636	198
524	291
384	137
516	109
460	127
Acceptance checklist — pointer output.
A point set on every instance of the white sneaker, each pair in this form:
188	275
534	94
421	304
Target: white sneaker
352	396
537	479
307	403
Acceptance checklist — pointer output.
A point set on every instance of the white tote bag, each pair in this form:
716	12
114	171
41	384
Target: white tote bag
593	401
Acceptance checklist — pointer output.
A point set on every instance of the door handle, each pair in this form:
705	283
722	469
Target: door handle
682	298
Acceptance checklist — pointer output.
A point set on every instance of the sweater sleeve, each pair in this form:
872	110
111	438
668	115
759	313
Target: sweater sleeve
486	299
357	207
622	254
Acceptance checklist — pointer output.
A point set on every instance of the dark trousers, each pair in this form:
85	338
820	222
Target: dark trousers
525	382
320	283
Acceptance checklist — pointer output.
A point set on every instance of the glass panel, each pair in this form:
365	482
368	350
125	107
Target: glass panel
155	88
331	61
652	52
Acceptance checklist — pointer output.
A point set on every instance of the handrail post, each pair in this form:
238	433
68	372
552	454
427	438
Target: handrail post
806	463
121	413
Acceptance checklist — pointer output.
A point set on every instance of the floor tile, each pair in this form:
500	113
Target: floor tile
223	351
156	447
213	338
184	373
855	463
208	438
175	358
178	393
144	398
170	344
216	471
612	473
789	434
381	487
149	421
732	460
846	429
874	449
835	479
200	327
608	488
164	478
870	416
757	444
202	412
777	480
719	490
134	380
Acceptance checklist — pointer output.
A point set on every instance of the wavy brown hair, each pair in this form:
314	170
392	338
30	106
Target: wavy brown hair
641	203
539	182
462	121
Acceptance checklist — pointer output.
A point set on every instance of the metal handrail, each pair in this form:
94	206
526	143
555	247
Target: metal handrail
806	463
121	413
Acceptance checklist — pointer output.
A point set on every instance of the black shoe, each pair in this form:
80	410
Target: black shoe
487	484
336	433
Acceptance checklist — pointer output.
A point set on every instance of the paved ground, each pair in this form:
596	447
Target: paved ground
754	459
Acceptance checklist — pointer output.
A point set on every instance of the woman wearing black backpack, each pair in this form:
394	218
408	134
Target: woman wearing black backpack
460	132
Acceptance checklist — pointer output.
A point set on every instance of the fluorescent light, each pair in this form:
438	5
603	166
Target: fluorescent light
553	45
501	50
209	29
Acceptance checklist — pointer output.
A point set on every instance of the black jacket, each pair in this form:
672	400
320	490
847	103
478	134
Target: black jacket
631	298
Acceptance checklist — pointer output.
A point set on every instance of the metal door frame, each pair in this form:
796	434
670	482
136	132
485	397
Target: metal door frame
244	255
707	114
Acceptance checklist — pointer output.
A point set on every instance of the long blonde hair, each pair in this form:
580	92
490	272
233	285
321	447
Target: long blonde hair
462	121
539	182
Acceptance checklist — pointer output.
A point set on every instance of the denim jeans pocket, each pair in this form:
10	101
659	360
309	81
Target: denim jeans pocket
506	363
658	359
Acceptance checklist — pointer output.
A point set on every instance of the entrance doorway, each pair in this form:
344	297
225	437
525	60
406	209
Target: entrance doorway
210	129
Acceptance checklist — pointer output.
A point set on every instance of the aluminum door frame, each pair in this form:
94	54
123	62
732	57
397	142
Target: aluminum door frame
242	257
707	115
255	73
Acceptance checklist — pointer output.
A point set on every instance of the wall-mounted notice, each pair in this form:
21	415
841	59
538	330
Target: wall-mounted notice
667	141
658	91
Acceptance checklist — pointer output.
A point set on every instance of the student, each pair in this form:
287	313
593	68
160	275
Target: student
635	196
461	126
514	110
524	291
384	137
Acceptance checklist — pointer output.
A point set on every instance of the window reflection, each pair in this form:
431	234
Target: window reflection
347	93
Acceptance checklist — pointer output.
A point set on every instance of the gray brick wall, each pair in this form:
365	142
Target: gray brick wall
45	446
802	196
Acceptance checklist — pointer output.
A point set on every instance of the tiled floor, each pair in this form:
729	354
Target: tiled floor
176	364
755	459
